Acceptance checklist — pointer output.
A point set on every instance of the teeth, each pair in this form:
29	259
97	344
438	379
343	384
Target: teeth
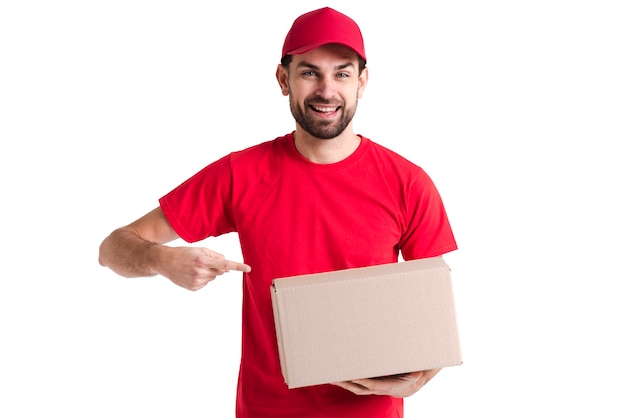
324	109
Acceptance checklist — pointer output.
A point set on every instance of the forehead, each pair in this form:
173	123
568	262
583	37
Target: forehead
328	53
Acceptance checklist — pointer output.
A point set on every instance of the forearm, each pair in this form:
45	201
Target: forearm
129	255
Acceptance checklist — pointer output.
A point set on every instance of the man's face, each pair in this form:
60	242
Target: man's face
324	86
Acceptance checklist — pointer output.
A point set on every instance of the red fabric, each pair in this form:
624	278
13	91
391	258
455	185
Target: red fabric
297	217
320	27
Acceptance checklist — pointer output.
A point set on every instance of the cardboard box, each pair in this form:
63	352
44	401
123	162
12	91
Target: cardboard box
365	322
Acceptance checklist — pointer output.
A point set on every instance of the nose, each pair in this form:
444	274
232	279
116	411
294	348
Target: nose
326	87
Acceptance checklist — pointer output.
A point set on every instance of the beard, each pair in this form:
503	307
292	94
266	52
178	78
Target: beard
322	129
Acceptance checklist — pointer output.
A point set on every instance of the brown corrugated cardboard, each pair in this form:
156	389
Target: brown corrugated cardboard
365	322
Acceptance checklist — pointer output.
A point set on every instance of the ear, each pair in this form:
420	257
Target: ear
283	79
363	77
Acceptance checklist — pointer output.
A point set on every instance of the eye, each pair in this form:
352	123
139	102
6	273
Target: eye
309	73
343	75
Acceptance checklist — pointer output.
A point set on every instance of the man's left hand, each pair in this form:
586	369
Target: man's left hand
398	386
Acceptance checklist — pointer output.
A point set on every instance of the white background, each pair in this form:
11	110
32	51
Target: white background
515	108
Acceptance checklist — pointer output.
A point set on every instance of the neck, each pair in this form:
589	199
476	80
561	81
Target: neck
326	151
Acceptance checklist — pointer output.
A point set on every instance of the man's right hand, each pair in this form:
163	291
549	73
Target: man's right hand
139	250
193	267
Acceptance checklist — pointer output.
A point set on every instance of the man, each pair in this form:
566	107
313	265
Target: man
318	199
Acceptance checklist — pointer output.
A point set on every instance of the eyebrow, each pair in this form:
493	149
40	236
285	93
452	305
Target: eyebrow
315	67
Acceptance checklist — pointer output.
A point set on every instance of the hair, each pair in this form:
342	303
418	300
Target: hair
287	60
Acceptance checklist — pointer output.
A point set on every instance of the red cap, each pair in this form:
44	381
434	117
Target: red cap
320	27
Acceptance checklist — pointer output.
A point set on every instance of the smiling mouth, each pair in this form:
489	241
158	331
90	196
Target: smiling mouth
325	109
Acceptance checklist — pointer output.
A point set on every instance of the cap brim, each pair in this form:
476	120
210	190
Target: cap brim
306	48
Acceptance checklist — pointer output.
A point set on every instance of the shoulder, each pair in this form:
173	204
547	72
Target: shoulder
260	151
391	159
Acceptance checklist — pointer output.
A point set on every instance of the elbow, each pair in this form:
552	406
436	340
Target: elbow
102	259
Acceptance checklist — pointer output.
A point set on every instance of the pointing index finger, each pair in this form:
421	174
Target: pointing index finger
234	265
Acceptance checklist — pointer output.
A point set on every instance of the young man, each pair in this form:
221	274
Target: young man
318	199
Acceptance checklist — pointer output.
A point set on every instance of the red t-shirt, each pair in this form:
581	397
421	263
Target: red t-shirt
297	217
